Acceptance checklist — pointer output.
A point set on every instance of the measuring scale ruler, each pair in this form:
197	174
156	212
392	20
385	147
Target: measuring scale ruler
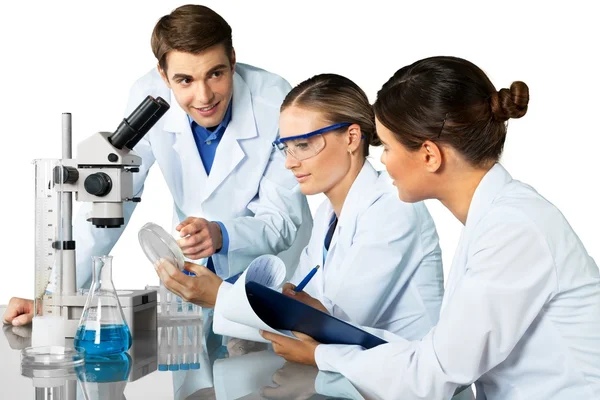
48	228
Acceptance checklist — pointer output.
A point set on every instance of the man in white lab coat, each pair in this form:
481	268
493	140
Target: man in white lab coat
214	149
233	199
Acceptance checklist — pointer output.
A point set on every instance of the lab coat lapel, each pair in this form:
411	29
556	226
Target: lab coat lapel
318	241
347	223
193	174
488	189
242	126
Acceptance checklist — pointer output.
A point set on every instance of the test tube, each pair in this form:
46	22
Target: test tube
196	347
168	347
174	364
185	364
163	348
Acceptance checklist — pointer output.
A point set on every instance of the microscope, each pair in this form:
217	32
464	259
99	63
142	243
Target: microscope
101	174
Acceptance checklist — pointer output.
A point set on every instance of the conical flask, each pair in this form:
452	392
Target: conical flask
102	329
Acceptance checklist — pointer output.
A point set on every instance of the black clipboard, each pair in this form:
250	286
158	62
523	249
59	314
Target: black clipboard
285	313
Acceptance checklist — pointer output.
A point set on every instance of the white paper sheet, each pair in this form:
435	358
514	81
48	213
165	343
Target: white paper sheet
233	314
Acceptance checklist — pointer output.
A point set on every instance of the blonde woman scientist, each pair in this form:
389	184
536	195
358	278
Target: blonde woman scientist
375	270
521	312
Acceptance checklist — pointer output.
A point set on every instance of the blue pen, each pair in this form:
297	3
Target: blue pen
307	279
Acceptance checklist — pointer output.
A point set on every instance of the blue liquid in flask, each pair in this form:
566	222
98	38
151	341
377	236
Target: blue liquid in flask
112	339
102	328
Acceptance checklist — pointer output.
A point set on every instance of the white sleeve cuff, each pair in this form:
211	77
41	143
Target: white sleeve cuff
330	356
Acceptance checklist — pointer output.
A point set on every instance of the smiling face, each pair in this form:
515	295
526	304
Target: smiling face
323	171
202	83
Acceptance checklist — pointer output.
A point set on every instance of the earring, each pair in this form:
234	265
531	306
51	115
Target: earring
350	151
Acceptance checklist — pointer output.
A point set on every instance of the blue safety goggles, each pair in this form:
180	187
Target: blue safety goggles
308	145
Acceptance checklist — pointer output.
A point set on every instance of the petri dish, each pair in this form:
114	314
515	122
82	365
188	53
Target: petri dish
51	357
159	244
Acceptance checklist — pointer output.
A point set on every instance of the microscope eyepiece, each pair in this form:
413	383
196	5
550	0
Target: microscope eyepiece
133	128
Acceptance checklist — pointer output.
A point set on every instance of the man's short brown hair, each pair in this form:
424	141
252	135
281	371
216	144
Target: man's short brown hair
191	29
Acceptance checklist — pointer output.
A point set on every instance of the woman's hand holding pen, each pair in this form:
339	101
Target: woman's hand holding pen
288	290
301	351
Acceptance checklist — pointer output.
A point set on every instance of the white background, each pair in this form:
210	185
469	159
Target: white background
81	57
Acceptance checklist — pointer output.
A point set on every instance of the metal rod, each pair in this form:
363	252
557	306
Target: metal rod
68	256
67	139
67	154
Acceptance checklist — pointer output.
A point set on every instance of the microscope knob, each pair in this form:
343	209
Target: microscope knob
98	184
70	174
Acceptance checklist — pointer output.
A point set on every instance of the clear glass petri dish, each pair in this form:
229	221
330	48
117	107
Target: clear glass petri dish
159	244
51	357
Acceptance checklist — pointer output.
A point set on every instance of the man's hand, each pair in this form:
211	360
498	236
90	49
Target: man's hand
19	312
199	238
201	289
301	351
288	290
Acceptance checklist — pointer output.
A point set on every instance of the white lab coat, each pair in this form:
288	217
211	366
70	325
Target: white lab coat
521	312
248	189
384	266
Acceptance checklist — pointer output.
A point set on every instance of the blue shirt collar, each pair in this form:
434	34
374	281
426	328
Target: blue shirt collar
218	132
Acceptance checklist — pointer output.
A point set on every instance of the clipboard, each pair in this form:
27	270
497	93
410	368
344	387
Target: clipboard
285	313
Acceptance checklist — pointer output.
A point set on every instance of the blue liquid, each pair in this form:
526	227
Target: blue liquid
113	339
